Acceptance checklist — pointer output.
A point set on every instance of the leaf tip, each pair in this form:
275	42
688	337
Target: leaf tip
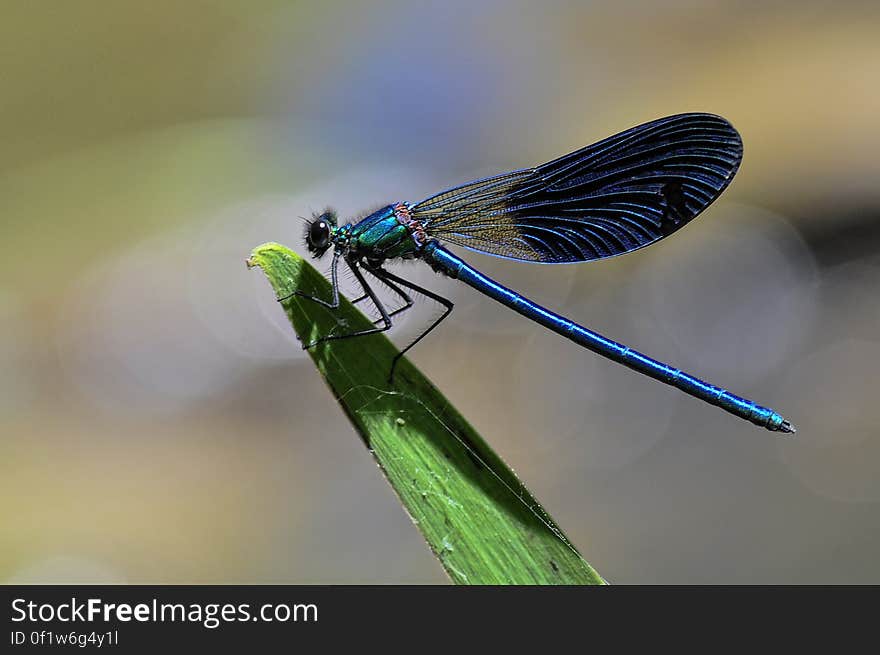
264	255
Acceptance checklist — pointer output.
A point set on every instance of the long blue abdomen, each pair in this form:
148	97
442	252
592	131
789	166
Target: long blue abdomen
443	260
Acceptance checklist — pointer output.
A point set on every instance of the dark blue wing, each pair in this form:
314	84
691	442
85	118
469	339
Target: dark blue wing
612	197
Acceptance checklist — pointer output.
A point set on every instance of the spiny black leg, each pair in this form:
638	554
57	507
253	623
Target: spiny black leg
372	294
387	277
333	304
407	301
396	312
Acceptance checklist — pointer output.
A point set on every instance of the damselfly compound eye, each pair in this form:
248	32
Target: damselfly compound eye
319	235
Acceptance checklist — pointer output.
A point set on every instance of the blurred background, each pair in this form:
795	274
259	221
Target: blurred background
159	421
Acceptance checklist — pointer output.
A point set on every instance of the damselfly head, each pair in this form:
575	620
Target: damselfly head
319	232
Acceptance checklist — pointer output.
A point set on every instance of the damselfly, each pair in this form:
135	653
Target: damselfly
615	196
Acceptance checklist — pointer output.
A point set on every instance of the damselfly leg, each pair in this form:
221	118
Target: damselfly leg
385	317
393	282
334	281
389	278
407	301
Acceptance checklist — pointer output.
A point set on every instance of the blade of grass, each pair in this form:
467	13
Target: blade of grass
479	520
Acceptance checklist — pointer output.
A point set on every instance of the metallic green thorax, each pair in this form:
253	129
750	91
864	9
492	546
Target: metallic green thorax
379	236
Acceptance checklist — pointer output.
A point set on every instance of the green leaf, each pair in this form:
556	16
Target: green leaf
479	520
